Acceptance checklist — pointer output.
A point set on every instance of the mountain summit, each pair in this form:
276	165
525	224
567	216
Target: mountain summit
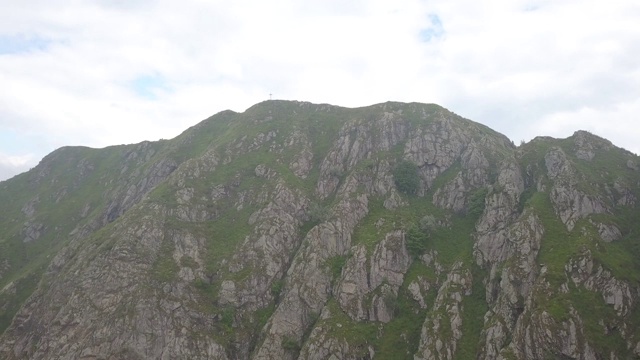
304	231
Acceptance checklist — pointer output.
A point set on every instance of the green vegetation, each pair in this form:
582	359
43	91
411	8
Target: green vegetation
291	344
189	262
595	315
475	307
621	257
477	203
416	241
454	243
81	191
262	316
406	177
227	317
165	268
560	245
24	287
67	191
335	264
359	335
276	288
401	336
318	213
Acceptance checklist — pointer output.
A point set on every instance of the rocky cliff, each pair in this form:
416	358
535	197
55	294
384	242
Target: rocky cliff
303	231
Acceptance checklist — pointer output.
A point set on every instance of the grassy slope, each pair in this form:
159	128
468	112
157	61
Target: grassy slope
73	177
321	124
621	258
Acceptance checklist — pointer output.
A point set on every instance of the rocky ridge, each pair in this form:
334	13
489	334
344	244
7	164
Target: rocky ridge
282	233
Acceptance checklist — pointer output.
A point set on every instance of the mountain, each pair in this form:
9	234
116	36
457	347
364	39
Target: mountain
303	231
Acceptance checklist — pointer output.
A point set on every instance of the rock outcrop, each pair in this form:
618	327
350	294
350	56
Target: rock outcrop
284	233
369	284
442	329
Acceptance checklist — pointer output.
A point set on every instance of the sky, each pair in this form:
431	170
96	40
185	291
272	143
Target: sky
107	72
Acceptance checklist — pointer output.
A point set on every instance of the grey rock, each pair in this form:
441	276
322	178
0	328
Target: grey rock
160	281
322	344
447	308
608	232
263	171
380	282
625	196
32	231
29	209
452	195
557	164
584	147
309	285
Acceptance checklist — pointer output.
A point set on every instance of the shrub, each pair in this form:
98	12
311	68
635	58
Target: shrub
188	261
290	344
416	241
406	177
318	213
276	288
335	265
477	202
336	171
428	223
227	316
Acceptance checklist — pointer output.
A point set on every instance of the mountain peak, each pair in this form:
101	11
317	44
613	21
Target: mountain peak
309	231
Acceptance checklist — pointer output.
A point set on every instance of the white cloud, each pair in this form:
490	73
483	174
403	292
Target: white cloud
523	67
12	165
15	161
620	123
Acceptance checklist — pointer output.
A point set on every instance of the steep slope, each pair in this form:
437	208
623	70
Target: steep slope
303	231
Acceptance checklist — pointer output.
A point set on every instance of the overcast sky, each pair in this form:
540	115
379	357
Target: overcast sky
106	72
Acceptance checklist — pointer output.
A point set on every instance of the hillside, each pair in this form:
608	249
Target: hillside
304	231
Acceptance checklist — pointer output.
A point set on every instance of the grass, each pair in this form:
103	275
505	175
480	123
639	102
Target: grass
454	243
224	235
401	336
335	264
558	244
594	312
621	257
107	173
76	177
165	269
474	309
451	240
371	229
595	316
359	335
24	287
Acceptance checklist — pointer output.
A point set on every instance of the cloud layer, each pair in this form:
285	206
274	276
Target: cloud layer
101	72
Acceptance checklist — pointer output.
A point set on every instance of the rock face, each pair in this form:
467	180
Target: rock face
442	331
280	233
368	282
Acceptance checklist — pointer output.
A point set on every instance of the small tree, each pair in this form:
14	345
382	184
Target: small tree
290	344
406	177
428	223
477	202
416	241
318	213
